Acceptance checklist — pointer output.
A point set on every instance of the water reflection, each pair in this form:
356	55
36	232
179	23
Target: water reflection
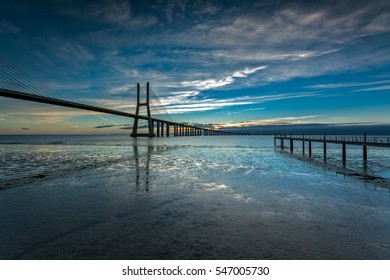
355	169
143	160
142	170
228	203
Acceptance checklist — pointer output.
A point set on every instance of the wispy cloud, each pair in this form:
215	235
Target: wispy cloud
8	27
118	13
112	125
68	50
374	88
48	117
254	109
275	121
203	106
71	127
173	106
343	85
216	83
246	72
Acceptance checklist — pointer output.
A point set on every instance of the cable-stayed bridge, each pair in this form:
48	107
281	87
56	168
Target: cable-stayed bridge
17	84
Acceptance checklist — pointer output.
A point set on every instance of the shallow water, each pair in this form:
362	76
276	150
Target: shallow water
111	197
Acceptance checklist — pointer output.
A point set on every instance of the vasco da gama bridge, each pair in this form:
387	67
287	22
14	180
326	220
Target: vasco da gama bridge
15	83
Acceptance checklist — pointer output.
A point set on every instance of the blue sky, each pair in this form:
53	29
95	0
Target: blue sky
226	63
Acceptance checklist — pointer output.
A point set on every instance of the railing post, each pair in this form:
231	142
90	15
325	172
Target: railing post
365	148
344	153
324	147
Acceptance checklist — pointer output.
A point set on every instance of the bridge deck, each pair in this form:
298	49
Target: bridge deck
70	104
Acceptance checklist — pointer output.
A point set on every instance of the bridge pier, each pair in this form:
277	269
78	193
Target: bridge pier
309	148
291	145
167	129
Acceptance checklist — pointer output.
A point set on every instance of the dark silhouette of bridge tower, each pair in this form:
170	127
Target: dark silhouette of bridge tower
149	117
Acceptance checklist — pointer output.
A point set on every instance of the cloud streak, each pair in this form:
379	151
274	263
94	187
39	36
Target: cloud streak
8	27
217	83
266	122
173	106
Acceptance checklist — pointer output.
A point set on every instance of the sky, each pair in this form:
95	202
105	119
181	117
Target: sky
223	64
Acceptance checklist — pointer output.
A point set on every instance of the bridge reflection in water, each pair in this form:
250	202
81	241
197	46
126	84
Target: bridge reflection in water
142	167
143	160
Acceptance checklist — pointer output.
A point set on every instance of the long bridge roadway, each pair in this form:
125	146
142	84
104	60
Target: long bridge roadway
15	83
163	127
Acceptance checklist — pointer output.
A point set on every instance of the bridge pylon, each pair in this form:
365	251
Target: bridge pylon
146	104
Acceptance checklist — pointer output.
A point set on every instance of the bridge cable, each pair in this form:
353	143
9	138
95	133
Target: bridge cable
25	80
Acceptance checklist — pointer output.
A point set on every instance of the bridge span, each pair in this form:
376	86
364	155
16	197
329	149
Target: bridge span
17	84
156	127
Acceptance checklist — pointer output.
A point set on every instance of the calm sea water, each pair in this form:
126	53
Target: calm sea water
114	197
